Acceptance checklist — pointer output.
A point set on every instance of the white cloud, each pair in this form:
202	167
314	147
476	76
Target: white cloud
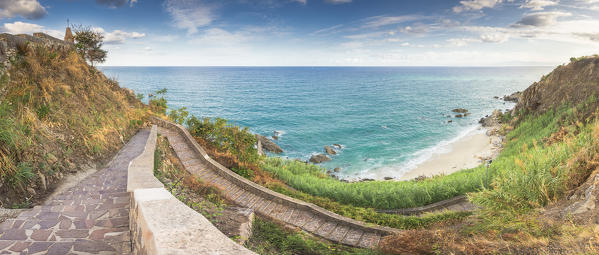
461	42
189	14
118	36
379	21
541	19
19	27
468	5
301	1
539	5
494	37
29	9
220	37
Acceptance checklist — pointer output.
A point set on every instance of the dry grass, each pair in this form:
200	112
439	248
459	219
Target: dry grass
58	114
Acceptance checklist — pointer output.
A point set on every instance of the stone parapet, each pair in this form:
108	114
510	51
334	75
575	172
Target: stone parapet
262	199
160	223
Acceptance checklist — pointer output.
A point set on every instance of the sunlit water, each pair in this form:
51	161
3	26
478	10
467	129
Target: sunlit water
385	117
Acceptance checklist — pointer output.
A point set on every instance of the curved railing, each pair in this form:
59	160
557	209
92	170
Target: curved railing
160	223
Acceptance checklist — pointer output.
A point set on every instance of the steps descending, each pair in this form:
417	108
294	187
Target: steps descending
89	218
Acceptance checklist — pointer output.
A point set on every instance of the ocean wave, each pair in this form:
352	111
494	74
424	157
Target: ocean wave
377	169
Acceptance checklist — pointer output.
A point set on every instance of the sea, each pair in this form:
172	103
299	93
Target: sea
383	117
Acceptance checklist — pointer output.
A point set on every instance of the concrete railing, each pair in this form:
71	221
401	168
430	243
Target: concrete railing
438	206
267	193
160	223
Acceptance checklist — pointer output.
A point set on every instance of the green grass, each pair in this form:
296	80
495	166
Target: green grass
369	215
311	179
376	194
270	238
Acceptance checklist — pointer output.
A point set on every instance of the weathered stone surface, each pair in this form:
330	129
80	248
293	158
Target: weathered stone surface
317	159
268	144
329	150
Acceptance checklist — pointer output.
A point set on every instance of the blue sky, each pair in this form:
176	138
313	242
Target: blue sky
322	32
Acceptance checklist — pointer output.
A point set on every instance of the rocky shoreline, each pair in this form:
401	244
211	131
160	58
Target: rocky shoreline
492	123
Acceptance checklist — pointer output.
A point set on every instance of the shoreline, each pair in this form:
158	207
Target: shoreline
467	152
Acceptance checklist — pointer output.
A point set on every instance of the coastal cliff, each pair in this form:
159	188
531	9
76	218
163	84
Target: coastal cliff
569	84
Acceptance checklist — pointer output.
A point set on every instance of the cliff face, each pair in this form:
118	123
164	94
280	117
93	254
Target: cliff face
571	84
58	115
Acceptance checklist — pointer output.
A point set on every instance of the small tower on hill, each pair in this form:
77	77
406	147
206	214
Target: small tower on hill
68	36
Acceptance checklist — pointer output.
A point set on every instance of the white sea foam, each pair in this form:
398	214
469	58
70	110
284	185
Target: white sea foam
377	169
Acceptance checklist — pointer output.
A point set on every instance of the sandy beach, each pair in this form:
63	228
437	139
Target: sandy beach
467	152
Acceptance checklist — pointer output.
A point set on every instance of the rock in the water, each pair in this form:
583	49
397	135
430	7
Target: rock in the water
496	97
338	146
459	115
275	137
459	110
317	159
466	114
337	169
329	150
449	121
268	144
513	97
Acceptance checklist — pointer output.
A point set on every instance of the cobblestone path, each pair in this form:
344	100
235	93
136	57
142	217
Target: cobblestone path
89	218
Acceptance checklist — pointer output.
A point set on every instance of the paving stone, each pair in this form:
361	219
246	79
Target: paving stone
60	248
352	237
5	244
339	233
19	246
73	233
41	234
14	234
369	240
36	247
326	228
313	224
92	246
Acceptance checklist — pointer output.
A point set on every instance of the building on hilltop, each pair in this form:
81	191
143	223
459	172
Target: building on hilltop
68	36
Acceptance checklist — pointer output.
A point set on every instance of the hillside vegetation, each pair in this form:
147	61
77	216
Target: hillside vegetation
57	115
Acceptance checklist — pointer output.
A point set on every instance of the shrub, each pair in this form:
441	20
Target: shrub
230	138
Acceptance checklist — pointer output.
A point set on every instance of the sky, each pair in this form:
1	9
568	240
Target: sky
321	32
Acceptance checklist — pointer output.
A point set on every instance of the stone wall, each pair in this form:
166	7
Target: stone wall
10	42
267	193
160	223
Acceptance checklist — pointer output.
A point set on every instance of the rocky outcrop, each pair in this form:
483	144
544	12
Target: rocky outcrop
268	144
514	97
573	83
329	150
460	110
493	120
319	158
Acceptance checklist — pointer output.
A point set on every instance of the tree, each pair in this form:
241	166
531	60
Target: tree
89	44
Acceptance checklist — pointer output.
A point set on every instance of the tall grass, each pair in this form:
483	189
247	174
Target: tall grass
529	133
376	194
56	113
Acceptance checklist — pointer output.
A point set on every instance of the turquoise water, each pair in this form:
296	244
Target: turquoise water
385	117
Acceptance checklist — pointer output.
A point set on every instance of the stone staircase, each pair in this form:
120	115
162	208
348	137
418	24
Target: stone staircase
89	218
265	202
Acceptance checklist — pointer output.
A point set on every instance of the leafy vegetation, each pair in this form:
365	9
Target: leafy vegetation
271	238
89	44
219	133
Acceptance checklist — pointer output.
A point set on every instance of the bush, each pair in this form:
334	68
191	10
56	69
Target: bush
230	138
